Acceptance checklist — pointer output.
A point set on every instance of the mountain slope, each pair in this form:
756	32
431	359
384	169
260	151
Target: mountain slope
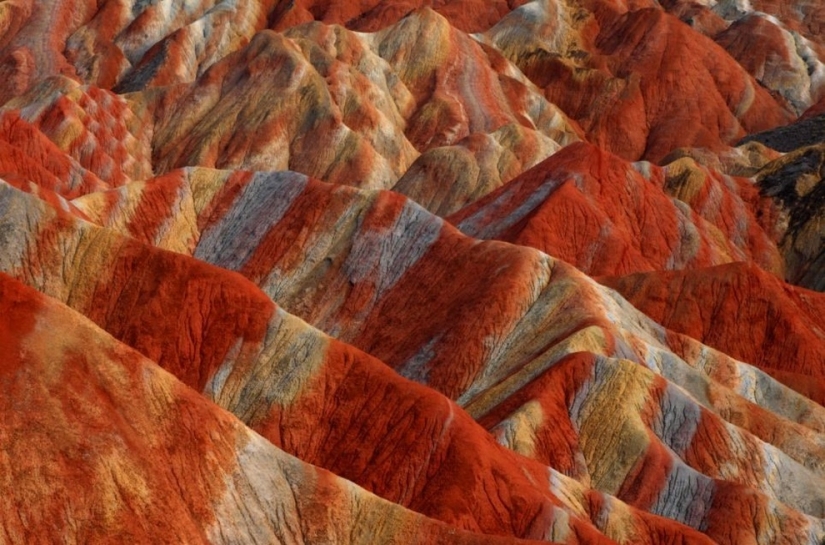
93	450
487	389
399	271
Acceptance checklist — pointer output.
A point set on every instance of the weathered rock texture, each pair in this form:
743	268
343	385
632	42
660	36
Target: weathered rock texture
92	449
412	272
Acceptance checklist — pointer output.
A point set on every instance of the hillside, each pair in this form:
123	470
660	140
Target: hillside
393	271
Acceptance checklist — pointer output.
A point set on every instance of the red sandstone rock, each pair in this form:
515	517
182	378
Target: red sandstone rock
607	216
390	299
356	109
99	441
738	309
481	383
779	60
222	359
27	155
640	82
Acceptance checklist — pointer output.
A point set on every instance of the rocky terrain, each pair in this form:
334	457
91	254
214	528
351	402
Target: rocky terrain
394	271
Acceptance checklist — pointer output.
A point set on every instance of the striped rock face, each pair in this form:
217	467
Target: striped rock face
638	81
547	314
609	217
778	43
407	272
767	319
82	474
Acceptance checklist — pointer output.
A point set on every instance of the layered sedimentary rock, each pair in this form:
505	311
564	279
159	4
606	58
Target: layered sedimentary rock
612	69
322	272
266	367
479	380
91	444
94	127
608	217
781	60
445	179
354	109
682	216
753	316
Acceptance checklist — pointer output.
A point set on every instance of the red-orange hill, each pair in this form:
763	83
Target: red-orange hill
606	217
417	404
651	84
743	311
100	445
28	156
187	316
355	417
650	473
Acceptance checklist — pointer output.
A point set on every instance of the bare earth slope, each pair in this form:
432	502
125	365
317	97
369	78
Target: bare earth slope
395	271
503	371
92	452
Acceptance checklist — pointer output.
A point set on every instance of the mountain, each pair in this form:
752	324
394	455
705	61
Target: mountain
412	272
93	452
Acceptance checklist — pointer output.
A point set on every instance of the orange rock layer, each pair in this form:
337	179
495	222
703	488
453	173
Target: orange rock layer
412	272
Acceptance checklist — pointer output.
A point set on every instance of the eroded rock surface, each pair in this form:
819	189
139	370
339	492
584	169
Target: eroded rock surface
412	272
